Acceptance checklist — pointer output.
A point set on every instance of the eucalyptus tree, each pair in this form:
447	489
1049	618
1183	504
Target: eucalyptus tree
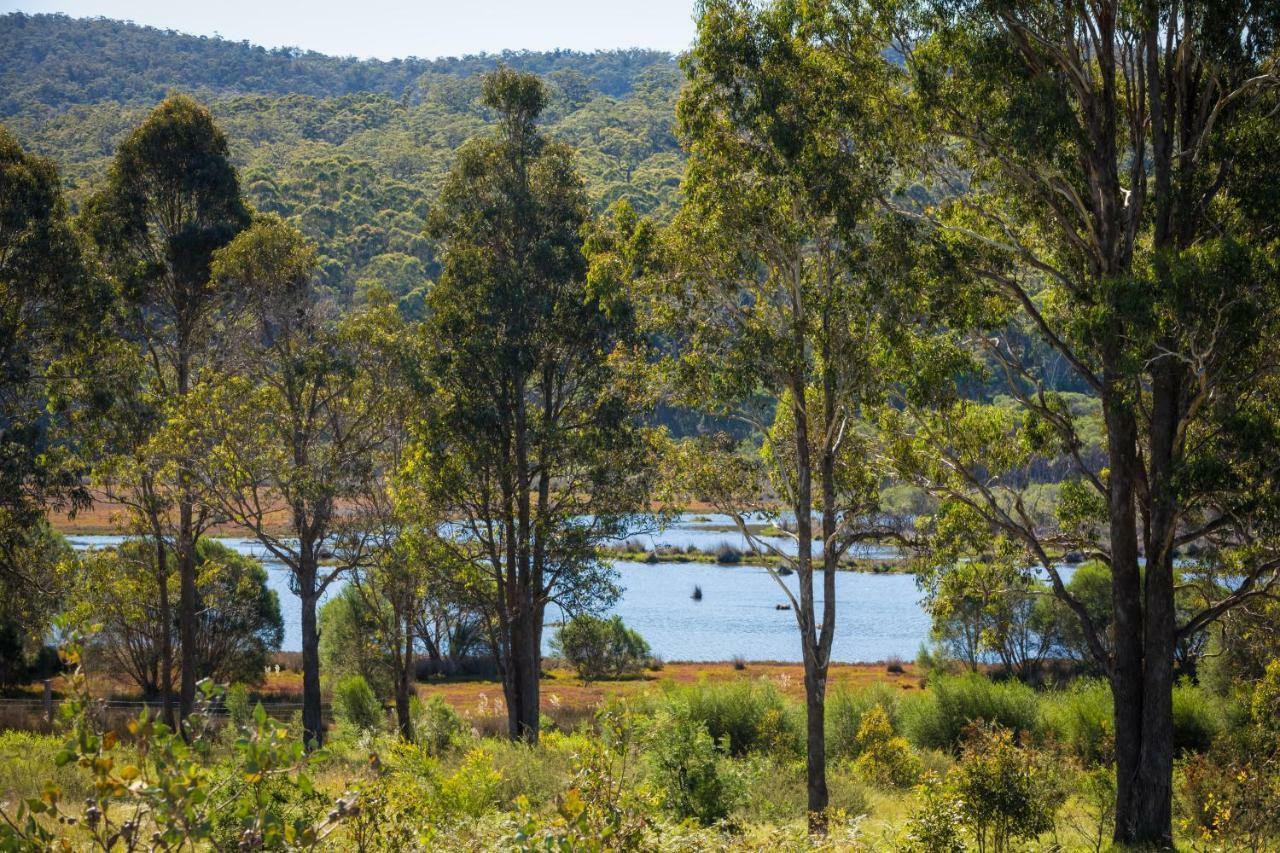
172	198
287	431
49	302
1106	187
771	290
531	445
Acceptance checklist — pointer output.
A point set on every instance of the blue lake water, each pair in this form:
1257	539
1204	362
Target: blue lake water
877	616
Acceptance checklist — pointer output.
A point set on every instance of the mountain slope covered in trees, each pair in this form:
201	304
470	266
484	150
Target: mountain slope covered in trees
352	151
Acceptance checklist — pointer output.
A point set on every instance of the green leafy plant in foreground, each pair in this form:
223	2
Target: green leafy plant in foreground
603	809
164	789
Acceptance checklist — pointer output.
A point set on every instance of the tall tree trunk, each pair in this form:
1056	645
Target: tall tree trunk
404	683
815	693
521	683
1151	818
186	568
187	605
814	673
166	636
1127	679
312	719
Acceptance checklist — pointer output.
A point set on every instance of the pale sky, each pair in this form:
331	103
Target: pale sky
389	29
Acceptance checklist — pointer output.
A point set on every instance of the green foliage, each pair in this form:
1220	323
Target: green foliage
352	152
846	709
239	710
348	642
743	715
936	824
355	704
1081	719
603	808
472	789
598	648
437	727
883	757
939	718
163	791
31	599
238	626
1197	718
688	768
86	60
999	794
49	309
516	321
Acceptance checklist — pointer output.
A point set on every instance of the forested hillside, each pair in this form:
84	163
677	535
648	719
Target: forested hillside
353	151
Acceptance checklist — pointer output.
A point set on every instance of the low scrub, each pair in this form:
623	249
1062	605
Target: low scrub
939	718
846	709
743	716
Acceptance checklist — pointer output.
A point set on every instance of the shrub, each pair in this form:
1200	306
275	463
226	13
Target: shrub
472	789
1083	721
728	555
355	704
1264	704
596	647
845	710
687	767
239	710
999	794
347	626
935	824
938	719
437	727
600	806
1197	718
1006	793
742	716
883	757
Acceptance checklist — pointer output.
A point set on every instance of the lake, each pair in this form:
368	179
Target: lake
877	616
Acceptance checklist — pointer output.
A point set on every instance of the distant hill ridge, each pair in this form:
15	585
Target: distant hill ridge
57	61
352	151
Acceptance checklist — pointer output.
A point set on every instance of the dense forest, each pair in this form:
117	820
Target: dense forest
352	151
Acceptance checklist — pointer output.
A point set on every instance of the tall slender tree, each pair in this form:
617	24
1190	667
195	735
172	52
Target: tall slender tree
171	200
531	443
1102	187
286	431
772	291
48	304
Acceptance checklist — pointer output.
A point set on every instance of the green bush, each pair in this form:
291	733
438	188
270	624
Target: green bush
884	758
347	626
744	715
935	825
938	719
998	794
1197	718
1006	793
1082	720
687	767
239	709
599	648
472	789
845	710
355	704
437	727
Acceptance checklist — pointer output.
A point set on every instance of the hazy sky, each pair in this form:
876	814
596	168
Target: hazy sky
388	29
